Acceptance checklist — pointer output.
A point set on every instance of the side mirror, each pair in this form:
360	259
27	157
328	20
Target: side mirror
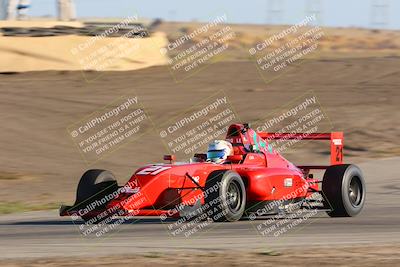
170	158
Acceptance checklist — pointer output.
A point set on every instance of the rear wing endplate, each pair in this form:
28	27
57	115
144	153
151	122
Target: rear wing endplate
336	141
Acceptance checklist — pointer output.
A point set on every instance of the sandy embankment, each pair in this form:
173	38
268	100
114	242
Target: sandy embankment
19	54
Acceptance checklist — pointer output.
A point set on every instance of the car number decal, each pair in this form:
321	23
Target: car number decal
153	170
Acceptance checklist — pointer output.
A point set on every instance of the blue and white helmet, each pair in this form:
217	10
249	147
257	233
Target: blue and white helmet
219	150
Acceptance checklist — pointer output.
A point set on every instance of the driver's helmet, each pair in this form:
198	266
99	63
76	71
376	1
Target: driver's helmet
219	150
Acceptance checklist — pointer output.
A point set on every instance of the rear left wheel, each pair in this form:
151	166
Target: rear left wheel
225	196
343	187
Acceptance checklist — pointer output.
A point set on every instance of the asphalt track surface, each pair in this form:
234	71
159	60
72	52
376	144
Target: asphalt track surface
44	234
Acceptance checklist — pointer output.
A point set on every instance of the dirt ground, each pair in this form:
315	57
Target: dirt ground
355	82
40	164
374	255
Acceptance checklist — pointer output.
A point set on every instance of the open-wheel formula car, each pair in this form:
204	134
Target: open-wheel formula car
255	178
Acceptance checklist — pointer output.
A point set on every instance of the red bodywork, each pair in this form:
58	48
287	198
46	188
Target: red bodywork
158	189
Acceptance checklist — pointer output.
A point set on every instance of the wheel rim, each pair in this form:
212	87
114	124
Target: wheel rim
355	191
234	197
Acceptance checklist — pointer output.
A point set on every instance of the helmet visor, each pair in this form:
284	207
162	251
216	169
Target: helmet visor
216	154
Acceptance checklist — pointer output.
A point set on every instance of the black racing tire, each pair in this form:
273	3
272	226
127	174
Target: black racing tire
94	185
225	196
344	190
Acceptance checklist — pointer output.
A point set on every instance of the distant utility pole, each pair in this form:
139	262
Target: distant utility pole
17	9
275	11
3	7
380	13
66	10
172	15
314	7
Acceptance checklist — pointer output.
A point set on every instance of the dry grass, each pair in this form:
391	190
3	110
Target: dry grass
336	42
367	256
15	206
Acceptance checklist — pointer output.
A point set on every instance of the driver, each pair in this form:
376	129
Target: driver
218	151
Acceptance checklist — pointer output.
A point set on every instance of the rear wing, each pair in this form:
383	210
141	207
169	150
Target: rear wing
336	141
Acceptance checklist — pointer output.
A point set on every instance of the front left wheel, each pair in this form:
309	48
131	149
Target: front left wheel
225	196
93	193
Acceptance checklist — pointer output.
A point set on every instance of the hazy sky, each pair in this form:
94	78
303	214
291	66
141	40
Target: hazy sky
344	13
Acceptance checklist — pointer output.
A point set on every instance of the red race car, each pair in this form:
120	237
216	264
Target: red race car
253	179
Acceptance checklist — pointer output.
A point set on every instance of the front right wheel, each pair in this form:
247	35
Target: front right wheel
343	188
